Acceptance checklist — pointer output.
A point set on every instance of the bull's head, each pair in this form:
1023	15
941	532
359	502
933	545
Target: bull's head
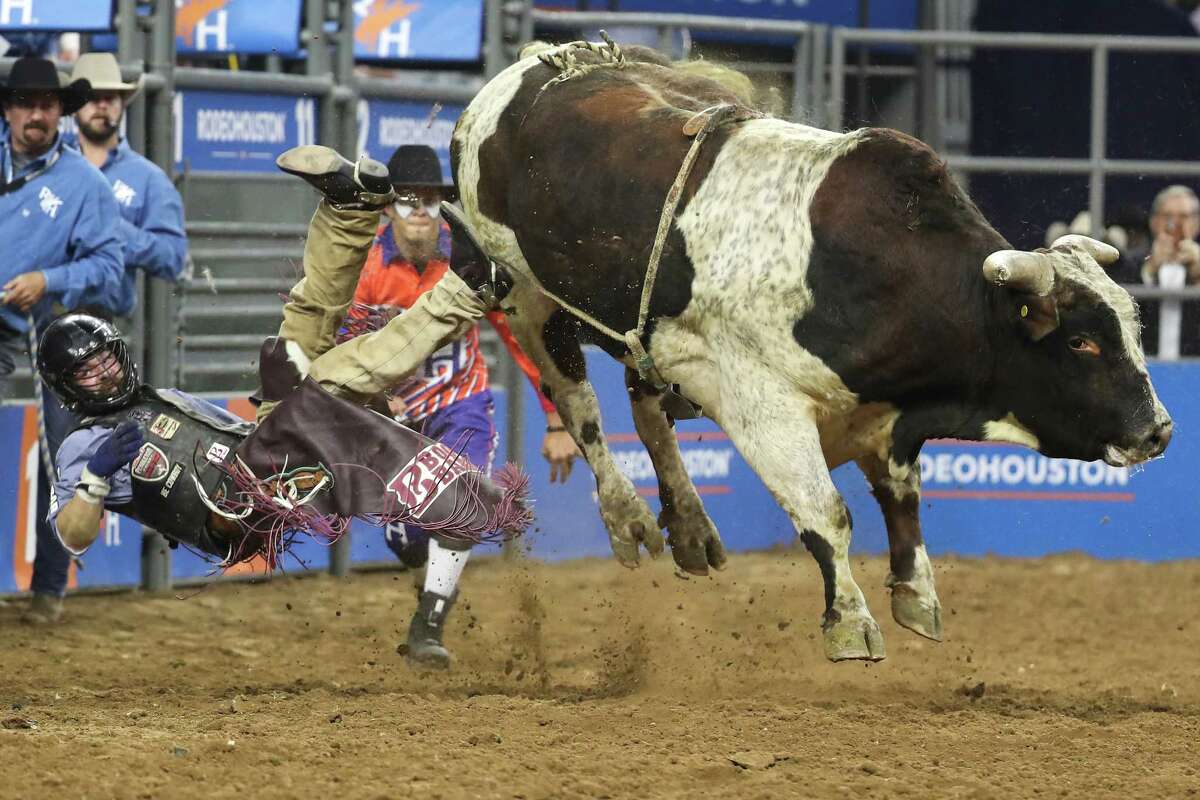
1077	379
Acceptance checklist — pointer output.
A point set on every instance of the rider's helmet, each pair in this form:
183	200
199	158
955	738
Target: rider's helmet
87	364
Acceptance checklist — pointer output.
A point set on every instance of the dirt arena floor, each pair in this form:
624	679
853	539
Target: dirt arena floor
1063	677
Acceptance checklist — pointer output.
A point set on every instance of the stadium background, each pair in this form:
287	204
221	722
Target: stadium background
1069	591
231	84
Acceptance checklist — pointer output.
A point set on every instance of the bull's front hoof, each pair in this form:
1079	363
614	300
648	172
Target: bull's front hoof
853	638
630	524
695	543
917	608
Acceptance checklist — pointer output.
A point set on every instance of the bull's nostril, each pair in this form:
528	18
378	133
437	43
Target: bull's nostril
1160	437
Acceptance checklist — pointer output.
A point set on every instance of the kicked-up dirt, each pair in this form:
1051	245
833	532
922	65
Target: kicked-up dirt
1060	677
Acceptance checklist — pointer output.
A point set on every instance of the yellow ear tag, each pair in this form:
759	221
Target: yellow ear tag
1024	312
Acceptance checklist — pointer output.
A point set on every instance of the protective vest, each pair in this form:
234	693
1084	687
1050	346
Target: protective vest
183	444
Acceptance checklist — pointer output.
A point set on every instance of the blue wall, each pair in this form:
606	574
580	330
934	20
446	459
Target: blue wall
978	498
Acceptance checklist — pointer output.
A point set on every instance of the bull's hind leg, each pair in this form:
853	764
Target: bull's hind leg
550	337
774	429
695	543
897	488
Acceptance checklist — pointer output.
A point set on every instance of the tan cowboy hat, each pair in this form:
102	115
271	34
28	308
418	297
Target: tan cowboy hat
104	73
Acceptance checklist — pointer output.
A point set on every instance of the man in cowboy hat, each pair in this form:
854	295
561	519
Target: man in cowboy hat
151	221
56	223
448	399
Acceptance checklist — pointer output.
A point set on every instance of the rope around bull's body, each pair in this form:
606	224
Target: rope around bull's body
564	60
633	337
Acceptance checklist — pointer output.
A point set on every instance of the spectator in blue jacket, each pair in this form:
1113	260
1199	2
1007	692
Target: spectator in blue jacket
151	209
60	244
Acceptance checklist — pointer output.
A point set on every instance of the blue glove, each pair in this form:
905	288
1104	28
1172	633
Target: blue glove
117	450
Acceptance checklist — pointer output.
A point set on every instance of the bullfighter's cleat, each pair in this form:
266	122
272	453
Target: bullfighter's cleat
469	262
361	185
425	648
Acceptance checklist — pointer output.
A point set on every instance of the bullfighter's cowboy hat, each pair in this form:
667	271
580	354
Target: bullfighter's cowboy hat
30	74
417	166
103	72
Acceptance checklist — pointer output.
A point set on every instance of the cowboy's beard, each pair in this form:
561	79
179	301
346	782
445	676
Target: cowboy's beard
98	129
417	240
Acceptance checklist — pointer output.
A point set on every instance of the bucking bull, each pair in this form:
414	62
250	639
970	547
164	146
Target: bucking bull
824	297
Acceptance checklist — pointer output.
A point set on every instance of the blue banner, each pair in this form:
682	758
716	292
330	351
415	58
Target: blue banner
889	14
418	30
56	15
384	125
240	131
977	498
212	27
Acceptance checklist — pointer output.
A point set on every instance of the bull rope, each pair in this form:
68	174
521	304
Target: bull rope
633	338
565	61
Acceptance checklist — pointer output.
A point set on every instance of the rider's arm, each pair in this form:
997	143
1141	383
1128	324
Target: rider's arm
78	524
75	512
524	362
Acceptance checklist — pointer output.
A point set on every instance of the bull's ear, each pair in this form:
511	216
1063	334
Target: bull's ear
1038	315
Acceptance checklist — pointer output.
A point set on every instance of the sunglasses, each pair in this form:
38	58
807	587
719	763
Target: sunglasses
407	201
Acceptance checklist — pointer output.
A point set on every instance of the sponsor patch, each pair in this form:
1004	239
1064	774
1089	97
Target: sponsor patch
141	415
150	464
164	427
174	476
217	453
422	480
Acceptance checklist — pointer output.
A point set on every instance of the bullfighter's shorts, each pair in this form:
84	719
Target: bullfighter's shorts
467	426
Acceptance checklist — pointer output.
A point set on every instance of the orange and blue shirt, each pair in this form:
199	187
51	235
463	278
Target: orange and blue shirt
457	371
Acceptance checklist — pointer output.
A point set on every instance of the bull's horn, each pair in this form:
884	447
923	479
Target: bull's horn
1017	269
1105	254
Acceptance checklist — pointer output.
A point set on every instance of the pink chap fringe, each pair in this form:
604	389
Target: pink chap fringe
509	518
270	528
362	319
513	514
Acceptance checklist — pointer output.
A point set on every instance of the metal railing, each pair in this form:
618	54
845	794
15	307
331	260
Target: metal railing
807	68
1097	166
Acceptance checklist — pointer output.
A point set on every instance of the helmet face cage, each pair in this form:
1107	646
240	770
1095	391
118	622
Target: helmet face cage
67	345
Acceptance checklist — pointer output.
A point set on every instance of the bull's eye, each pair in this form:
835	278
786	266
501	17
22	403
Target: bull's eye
1083	346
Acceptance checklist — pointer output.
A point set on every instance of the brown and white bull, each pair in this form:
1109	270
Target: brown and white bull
825	297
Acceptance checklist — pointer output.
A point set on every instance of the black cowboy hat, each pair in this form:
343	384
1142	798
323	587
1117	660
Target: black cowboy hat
417	165
30	74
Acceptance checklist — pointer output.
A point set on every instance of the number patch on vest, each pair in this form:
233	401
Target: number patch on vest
164	427
424	478
217	453
150	464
